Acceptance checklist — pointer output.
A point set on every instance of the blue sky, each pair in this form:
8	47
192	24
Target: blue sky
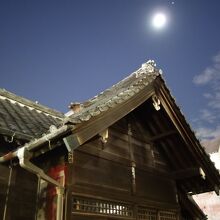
56	52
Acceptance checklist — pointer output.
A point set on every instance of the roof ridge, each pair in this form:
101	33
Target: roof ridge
118	93
126	82
4	94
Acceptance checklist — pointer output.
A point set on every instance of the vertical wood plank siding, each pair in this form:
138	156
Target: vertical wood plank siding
104	170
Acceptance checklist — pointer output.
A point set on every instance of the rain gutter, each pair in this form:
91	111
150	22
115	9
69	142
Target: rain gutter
38	142
24	155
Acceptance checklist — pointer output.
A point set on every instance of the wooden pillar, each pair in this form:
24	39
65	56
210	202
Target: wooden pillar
68	191
132	161
135	211
158	215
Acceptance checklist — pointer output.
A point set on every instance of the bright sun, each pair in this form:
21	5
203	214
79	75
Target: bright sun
159	20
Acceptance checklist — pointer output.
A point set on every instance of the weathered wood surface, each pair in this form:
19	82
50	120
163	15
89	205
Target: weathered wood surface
21	195
104	170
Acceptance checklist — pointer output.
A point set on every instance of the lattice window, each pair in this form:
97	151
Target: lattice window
147	214
81	204
165	215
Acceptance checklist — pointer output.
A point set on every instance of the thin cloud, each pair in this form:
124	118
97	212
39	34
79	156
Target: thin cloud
214	102
216	58
207	116
204	78
210	74
211	78
208	95
206	133
206	123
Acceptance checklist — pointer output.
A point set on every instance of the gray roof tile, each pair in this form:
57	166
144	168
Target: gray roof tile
19	115
115	95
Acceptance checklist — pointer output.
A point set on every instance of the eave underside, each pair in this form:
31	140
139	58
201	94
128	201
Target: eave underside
185	168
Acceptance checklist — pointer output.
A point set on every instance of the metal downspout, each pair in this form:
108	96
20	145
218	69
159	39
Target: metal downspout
24	161
60	201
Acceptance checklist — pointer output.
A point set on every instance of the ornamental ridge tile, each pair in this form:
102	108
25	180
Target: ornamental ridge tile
118	93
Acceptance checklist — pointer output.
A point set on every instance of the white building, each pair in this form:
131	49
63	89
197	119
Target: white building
210	202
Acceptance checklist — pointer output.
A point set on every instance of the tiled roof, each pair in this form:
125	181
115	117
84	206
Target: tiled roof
24	118
117	94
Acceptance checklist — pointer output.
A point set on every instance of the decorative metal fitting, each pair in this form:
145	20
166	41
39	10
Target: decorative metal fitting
104	136
156	102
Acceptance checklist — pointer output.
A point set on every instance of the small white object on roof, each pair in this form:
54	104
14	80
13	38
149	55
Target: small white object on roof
151	62
53	128
146	68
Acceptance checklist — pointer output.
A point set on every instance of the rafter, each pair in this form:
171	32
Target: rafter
163	135
188	173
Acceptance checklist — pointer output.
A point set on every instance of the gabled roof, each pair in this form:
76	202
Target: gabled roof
116	95
23	118
168	128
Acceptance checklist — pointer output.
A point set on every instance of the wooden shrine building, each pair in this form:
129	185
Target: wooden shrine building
127	153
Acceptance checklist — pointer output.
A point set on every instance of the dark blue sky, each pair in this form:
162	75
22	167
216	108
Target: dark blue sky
56	52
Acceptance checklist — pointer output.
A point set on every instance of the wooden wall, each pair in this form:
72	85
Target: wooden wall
104	170
17	200
3	188
18	188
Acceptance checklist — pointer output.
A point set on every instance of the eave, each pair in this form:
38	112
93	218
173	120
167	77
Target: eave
195	151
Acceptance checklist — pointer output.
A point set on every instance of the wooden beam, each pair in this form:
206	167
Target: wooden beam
216	189
71	142
187	173
187	135
187	203
175	151
89	129
163	135
167	155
